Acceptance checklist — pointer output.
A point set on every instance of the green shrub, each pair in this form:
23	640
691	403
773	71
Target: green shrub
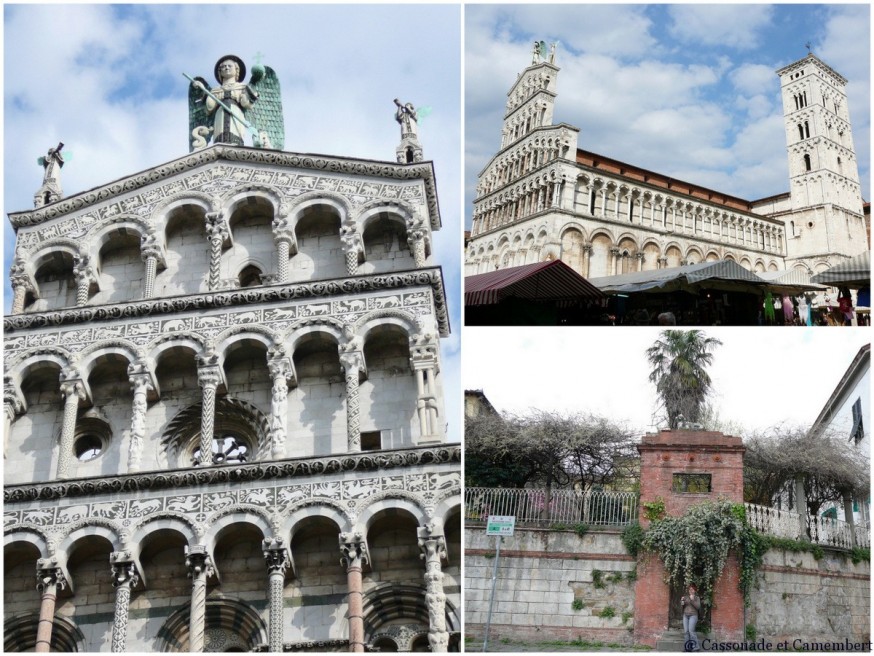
626	615
597	579
577	604
750	633
654	510
607	612
632	538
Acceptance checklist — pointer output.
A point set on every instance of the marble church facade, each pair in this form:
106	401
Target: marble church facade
224	424
541	197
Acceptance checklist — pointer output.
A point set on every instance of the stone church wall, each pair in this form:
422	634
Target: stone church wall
542	572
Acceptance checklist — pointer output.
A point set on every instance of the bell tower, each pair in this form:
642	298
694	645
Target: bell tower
825	193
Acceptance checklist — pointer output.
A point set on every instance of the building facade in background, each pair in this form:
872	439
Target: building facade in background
541	197
224	408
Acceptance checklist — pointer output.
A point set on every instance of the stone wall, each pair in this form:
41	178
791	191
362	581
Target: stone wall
799	597
541	573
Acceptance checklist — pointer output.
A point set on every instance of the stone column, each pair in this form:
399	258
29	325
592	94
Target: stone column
199	570
152	254
352	249
423	360
141	384
208	377
49	579
354	554
614	260
286	246
663	263
639	257
13	405
73	390
433	546
217	232
21	284
124	577
278	559
280	368
587	259
416	242
84	274
352	363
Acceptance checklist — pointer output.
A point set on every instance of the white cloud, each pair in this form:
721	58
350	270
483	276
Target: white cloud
734	26
754	79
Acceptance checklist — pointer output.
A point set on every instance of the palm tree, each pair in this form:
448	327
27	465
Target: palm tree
678	360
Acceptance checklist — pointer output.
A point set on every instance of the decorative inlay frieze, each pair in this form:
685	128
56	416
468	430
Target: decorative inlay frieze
324	174
275	496
142	331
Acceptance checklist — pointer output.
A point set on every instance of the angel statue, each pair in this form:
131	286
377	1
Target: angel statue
230	110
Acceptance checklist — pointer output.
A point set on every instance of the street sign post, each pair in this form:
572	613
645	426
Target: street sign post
500	526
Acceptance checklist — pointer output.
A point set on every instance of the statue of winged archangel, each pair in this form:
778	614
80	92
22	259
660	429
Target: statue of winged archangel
227	112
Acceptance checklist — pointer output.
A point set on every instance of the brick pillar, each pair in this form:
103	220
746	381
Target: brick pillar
662	456
354	555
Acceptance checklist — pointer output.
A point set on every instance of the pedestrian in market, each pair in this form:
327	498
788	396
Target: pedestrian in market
691	604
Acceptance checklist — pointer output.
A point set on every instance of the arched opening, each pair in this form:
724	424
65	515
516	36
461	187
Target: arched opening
250	276
19	634
389	395
230	625
34	435
317	407
55	281
121	268
187	253
251	225
807	162
319	249
385	243
20	596
239	559
91	577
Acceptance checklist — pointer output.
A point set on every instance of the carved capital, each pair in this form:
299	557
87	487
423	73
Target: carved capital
73	387
198	562
277	555
13	401
49	574
217	228
352	362
124	569
353	550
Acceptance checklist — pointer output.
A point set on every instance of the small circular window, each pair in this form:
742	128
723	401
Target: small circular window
226	450
88	447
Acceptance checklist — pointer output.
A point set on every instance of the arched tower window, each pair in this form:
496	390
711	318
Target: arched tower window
807	162
800	131
250	276
806	129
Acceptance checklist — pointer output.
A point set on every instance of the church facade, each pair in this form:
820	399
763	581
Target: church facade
224	410
541	197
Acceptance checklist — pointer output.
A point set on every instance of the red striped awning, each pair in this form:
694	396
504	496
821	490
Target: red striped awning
543	281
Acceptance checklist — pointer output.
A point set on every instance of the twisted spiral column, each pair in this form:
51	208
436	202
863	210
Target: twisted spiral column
216	232
49	579
352	364
124	577
208	377
433	546
84	275
19	293
354	555
199	569
278	560
73	391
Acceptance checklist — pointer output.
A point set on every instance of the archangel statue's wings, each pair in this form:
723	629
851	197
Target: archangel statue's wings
198	117
266	113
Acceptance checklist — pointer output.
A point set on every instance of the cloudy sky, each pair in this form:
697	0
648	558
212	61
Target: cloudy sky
762	377
685	90
107	81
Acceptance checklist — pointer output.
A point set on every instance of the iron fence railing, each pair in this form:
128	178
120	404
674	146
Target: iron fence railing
538	507
819	530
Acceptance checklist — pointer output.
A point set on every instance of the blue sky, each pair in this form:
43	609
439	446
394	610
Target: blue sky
685	90
107	81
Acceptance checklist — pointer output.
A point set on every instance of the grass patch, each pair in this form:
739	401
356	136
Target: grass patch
607	612
577	604
597	579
